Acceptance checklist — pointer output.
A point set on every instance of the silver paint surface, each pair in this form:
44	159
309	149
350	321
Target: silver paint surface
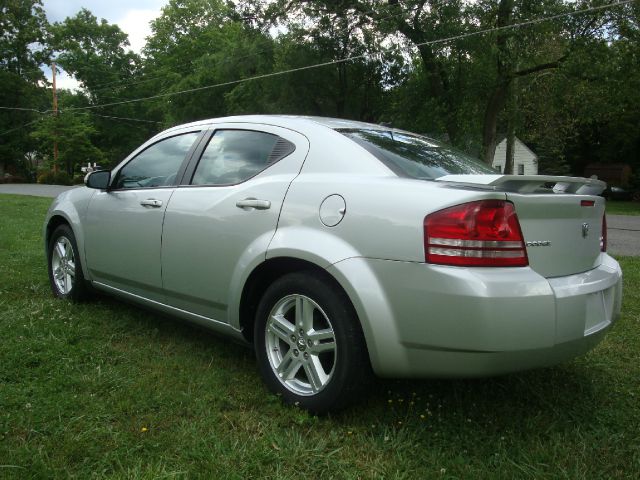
191	257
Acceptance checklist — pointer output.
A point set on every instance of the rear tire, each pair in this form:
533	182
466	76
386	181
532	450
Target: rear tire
65	272
309	344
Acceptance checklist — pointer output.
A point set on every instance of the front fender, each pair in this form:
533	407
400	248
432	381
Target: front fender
70	206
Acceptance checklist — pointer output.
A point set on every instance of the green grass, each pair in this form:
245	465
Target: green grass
623	208
105	389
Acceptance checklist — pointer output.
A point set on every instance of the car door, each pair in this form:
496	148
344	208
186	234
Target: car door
123	228
223	219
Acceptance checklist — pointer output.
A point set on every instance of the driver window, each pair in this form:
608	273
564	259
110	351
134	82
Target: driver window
157	165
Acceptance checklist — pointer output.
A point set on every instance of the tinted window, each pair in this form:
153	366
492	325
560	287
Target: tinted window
157	165
414	156
233	156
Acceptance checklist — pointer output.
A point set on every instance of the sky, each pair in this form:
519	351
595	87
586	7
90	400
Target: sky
132	16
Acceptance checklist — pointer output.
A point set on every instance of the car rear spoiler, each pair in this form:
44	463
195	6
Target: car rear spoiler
528	183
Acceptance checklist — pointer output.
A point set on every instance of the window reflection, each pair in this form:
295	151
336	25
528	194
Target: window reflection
416	156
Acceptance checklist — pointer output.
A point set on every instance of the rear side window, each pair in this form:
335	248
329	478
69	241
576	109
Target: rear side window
414	156
233	156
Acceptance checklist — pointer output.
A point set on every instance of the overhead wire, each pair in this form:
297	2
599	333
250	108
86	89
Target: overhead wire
114	117
22	126
357	57
322	64
23	109
124	83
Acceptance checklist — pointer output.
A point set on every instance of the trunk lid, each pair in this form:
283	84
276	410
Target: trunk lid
560	218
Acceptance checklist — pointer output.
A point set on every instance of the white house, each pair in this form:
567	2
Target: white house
525	162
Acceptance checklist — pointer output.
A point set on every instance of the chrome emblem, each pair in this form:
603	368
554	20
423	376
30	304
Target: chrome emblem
585	230
539	243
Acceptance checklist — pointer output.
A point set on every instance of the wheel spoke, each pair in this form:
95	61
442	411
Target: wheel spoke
60	250
71	269
68	250
281	327
304	313
323	340
315	373
289	366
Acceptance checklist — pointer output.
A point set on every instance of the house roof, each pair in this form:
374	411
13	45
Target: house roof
504	139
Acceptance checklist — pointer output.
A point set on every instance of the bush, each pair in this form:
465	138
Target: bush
78	179
8	178
51	178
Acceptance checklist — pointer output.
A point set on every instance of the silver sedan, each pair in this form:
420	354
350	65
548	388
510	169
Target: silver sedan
339	249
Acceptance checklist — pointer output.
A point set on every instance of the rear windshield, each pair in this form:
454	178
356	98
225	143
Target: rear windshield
410	155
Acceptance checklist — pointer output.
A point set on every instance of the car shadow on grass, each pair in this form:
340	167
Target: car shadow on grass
562	397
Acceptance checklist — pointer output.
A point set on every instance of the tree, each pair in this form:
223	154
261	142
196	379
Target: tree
97	54
73	132
198	43
23	39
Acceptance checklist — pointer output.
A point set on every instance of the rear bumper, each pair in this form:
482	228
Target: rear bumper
425	320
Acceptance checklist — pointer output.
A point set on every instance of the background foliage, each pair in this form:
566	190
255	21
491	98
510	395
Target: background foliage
569	87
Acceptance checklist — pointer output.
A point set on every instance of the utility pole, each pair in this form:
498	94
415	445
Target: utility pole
55	118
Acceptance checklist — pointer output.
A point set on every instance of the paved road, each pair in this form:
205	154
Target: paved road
623	234
623	230
34	189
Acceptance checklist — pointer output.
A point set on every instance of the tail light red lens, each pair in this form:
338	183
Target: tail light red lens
603	236
485	233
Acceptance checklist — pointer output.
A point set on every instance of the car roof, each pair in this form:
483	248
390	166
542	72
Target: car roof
293	122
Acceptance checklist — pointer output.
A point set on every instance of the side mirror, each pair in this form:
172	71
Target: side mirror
99	179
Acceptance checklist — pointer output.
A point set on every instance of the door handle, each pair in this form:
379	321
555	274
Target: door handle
251	203
151	202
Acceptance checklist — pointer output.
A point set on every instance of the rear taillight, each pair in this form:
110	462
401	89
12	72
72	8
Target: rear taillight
603	236
485	233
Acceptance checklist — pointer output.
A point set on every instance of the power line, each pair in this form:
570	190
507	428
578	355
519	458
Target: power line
127	118
124	83
112	117
164	75
22	109
22	126
357	57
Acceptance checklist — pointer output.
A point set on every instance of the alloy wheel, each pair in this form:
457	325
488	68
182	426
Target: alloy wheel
63	265
301	344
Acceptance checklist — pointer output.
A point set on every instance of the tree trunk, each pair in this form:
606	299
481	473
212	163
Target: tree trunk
503	80
439	89
490	126
512	120
511	142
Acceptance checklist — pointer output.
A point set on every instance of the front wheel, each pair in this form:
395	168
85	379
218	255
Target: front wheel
65	272
309	344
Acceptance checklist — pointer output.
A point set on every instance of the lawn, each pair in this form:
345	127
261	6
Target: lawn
104	389
623	208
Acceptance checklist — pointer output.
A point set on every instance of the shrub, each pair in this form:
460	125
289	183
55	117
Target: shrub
78	179
52	178
8	178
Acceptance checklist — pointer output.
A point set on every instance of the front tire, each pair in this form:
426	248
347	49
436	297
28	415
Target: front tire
65	272
309	343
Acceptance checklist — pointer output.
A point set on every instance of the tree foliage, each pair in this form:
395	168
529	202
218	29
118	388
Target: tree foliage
464	71
23	49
